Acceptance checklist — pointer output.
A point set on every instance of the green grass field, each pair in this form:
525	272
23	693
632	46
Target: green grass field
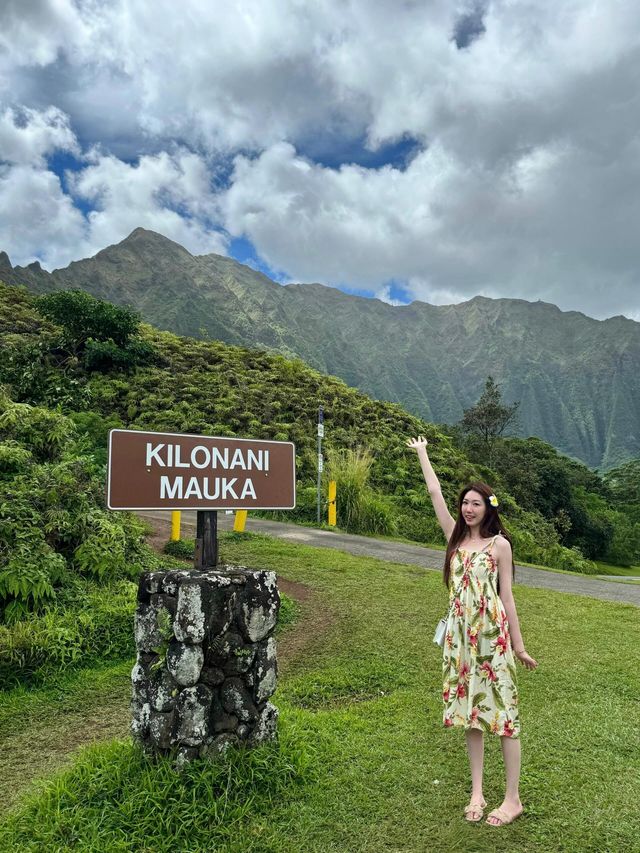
363	762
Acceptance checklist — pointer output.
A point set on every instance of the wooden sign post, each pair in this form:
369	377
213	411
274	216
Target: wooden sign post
206	540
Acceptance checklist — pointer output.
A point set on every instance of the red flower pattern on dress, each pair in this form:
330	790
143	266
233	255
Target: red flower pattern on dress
502	644
471	661
508	729
488	672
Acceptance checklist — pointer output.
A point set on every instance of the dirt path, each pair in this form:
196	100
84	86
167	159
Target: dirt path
314	619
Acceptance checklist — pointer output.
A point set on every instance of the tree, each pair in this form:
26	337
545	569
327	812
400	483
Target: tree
100	335
489	418
82	316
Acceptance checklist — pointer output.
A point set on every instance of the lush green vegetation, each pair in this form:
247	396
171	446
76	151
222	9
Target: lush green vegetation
560	513
363	761
53	525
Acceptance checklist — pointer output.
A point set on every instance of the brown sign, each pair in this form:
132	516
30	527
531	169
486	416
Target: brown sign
159	470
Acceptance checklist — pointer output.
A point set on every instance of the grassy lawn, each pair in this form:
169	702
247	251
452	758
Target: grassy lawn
363	762
41	728
621	571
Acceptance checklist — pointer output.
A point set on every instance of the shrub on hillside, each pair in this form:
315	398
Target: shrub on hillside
52	518
183	549
419	526
358	508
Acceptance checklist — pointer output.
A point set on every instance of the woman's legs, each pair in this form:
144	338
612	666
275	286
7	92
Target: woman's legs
511	805
475	748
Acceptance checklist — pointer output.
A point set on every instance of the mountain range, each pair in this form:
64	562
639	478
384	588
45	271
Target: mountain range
576	377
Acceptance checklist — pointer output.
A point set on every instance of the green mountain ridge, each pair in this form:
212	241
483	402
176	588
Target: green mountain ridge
575	377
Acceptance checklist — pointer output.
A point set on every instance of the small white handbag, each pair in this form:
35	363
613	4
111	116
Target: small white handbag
441	629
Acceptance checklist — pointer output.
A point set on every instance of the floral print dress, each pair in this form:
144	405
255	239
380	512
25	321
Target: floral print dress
478	666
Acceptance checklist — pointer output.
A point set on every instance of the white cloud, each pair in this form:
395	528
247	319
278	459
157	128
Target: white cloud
33	31
526	184
170	194
449	230
27	136
384	295
37	219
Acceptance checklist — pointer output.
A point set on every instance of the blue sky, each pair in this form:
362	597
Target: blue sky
396	150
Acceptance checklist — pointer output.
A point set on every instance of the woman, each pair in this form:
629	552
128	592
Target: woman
482	635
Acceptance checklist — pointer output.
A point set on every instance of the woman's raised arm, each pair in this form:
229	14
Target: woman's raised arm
443	515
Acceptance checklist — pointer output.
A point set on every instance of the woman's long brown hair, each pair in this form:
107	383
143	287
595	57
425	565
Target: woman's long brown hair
490	526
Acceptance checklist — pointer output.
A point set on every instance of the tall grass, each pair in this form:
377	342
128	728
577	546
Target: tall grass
358	508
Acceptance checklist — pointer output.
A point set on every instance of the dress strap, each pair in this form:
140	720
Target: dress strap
489	544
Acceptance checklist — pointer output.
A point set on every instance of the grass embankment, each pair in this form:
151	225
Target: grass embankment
363	762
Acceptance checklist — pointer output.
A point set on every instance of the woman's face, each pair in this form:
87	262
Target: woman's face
473	507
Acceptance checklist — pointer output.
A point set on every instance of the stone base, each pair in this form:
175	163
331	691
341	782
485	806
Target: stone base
206	663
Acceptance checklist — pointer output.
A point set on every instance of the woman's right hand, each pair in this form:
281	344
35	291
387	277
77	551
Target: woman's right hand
417	443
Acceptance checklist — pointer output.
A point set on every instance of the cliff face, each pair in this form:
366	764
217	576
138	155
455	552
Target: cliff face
576	377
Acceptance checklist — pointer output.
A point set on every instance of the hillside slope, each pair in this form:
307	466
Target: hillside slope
576	377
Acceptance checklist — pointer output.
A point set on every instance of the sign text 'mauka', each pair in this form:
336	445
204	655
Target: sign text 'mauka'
150	470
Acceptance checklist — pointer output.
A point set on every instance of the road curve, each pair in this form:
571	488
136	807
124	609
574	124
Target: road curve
402	552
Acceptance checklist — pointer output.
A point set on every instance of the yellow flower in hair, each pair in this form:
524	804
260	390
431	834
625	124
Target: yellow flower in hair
493	500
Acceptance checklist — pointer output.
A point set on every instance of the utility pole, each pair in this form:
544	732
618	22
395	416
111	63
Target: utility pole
320	437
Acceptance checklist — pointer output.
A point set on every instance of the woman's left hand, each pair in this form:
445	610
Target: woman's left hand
526	660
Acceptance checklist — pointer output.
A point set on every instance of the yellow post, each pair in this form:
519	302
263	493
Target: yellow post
332	503
175	525
240	520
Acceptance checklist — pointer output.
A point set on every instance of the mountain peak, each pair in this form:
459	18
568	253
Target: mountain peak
143	235
5	263
142	244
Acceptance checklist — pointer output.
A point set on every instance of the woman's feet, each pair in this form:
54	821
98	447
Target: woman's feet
506	813
475	810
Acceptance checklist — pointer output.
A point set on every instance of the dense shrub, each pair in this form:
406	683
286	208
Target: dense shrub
97	625
375	516
52	517
419	526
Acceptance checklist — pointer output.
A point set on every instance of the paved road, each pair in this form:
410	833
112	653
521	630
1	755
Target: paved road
400	552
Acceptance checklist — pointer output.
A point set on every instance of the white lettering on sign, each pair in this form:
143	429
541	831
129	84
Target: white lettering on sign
173	488
167	490
201	456
152	453
248	491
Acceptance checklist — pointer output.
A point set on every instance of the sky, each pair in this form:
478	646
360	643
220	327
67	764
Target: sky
396	149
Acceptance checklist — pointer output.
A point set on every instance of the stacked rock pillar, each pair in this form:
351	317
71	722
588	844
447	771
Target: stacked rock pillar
206	663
